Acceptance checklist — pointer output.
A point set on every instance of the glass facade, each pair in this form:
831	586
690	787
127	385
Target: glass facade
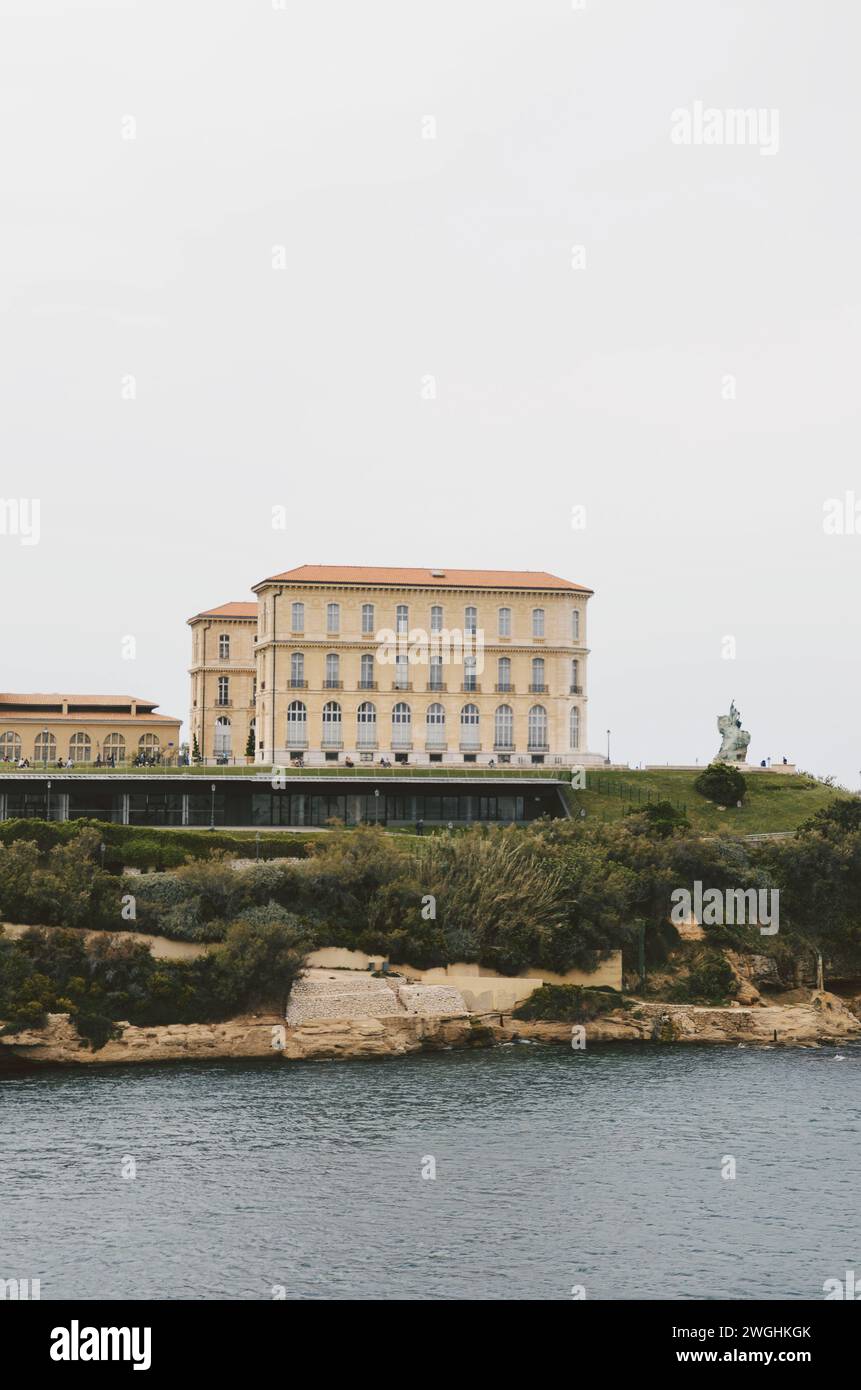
254	802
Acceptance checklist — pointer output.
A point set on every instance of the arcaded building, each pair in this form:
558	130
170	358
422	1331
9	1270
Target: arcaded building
340	664
47	729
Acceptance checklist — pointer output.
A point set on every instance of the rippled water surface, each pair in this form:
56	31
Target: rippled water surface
553	1168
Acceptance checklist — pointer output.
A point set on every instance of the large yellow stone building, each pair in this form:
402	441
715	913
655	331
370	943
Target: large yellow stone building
79	729
352	663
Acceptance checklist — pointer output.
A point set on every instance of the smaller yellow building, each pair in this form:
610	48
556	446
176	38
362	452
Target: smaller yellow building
55	729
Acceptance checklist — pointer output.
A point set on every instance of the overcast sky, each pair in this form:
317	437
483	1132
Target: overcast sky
690	376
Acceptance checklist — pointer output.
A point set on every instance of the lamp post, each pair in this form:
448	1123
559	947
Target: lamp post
45	748
48	800
376	805
212	807
608	747
257	845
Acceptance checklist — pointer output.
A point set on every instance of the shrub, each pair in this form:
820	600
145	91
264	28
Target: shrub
710	980
660	816
721	783
260	961
96	1029
567	1004
141	848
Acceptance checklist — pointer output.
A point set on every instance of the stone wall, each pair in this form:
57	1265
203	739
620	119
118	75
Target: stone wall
350	994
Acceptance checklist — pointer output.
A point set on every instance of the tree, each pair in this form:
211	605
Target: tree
721	783
260	961
251	743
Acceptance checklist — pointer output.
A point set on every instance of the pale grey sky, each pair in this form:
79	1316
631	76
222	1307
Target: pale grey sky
406	257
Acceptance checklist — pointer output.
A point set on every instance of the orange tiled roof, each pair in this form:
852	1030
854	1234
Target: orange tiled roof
438	578
57	698
228	610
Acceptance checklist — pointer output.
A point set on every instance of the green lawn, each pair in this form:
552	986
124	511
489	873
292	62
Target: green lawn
774	801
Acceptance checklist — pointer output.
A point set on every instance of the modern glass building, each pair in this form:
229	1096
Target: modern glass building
259	801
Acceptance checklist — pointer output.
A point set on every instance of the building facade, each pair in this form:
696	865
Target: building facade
417	666
223	681
81	729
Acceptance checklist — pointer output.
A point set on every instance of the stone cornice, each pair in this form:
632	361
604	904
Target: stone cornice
354	590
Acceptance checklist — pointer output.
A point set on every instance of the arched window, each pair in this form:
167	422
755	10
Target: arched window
148	743
435	730
46	747
114	747
505	622
297	617
538	622
435	674
402	725
367	619
575	674
503	673
222	736
503	727
333	617
223	696
538	687
469	727
470	619
402	618
366	718
537	725
333	671
332	724
297	725
80	748
297	670
366	679
575	625
224	646
436	618
10	747
574	728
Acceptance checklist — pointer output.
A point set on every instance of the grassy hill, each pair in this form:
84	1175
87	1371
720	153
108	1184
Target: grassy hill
775	801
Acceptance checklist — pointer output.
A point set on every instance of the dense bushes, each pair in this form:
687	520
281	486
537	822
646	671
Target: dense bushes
137	847
100	980
709	980
64	887
554	895
661	816
568	1004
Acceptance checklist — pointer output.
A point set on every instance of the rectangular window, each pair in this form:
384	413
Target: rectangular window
505	622
297	617
575	625
367	619
538	622
333	617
